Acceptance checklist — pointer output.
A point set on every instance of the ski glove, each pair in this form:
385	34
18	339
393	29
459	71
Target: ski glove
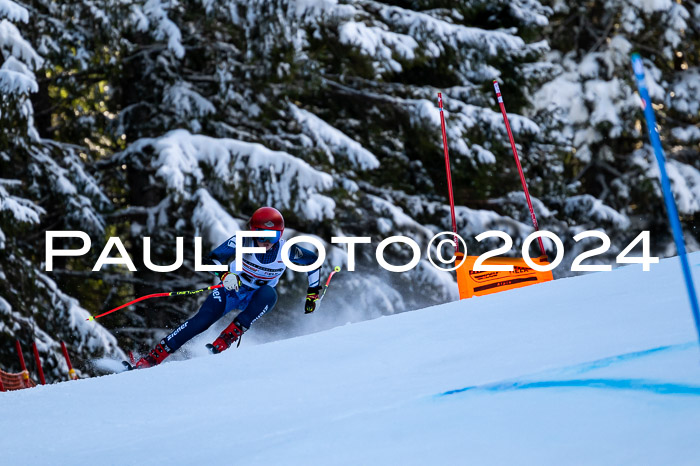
231	281
312	296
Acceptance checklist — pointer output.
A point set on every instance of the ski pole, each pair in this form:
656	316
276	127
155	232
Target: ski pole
330	277
156	295
517	161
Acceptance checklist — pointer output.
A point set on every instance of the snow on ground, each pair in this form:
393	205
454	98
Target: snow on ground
597	369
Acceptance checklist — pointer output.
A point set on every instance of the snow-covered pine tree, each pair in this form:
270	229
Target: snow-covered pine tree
44	186
593	113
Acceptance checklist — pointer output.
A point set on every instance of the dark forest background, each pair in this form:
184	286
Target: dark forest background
179	118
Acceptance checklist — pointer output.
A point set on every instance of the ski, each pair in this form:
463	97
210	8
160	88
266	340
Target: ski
212	349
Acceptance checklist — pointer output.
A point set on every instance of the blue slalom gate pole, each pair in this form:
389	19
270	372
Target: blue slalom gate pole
671	209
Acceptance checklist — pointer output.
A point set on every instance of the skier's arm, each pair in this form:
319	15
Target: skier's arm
301	256
222	254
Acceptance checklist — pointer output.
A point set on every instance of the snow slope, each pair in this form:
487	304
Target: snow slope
597	369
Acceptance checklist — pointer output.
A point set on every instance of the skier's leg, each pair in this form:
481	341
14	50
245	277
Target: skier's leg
255	305
213	308
262	301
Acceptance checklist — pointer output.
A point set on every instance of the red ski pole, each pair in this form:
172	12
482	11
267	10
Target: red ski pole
517	161
328	282
155	295
447	169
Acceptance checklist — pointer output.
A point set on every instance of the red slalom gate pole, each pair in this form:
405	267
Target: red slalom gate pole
25	372
38	364
71	371
2	387
447	169
517	161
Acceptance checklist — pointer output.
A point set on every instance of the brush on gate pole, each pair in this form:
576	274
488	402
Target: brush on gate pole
517	162
671	209
447	169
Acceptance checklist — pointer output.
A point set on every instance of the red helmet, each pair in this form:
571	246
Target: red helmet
267	218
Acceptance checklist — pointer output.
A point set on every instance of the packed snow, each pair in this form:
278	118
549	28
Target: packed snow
597	369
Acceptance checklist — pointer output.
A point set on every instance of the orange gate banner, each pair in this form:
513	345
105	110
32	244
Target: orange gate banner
473	283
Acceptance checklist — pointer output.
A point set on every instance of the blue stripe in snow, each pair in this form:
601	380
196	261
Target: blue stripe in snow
606	362
615	384
660	388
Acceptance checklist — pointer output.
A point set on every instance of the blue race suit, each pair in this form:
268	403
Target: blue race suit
256	295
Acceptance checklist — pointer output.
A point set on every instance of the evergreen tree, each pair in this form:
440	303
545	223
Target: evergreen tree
45	186
593	112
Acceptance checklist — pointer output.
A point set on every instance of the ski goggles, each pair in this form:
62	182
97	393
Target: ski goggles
269	239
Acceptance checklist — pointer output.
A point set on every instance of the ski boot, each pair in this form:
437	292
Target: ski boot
229	336
155	357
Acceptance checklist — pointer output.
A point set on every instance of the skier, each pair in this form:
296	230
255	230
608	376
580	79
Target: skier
251	289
